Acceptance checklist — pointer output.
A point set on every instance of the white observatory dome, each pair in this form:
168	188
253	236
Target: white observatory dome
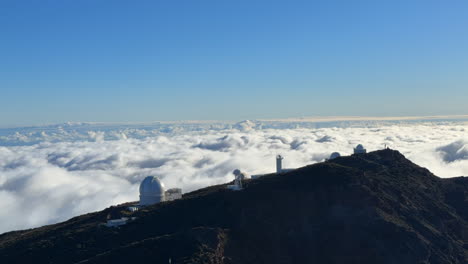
359	149
335	155
151	191
236	172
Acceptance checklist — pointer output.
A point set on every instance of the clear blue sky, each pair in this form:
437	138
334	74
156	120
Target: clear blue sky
119	61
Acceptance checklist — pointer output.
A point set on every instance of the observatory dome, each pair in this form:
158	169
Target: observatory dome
359	149
335	155
151	191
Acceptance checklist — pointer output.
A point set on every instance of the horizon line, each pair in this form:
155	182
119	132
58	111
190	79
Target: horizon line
309	119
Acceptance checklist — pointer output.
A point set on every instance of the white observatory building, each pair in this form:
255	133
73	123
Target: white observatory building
239	178
279	164
151	191
334	155
279	168
359	149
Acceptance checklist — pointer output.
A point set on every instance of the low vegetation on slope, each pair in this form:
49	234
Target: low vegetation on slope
367	208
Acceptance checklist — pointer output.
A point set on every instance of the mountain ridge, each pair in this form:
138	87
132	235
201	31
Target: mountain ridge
377	207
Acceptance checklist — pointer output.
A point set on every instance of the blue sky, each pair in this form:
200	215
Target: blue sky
136	61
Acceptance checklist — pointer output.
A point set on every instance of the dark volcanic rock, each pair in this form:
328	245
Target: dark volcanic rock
368	208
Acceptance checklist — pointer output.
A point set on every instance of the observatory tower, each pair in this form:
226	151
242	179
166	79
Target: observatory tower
151	191
279	164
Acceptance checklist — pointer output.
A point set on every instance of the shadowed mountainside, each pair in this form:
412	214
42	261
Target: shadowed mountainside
368	208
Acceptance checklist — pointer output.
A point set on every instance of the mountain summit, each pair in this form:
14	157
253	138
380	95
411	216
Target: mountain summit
377	207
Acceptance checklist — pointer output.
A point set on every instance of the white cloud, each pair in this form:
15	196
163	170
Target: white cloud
50	174
454	151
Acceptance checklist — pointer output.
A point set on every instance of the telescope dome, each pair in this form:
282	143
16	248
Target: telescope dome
151	191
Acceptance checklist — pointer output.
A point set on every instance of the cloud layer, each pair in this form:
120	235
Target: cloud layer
49	175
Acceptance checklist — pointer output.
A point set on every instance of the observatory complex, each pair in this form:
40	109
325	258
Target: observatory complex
359	149
152	191
279	161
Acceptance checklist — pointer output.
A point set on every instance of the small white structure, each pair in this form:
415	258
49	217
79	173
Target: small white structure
132	208
151	191
239	178
334	155
117	222
173	194
279	164
359	149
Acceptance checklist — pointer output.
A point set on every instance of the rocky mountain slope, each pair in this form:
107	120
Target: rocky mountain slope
368	208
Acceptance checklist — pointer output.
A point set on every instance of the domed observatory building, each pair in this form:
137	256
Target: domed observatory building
334	155
151	191
359	149
239	177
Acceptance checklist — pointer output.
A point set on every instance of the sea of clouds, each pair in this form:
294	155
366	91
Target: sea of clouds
52	173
